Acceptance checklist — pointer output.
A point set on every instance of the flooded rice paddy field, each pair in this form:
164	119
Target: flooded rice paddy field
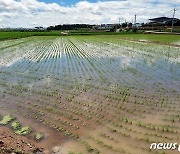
92	94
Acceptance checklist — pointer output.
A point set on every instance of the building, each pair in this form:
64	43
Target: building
40	28
106	27
163	20
137	25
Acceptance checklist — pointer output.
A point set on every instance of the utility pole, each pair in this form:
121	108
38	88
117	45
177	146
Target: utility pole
174	11
135	20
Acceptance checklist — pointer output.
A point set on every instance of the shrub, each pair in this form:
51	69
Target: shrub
134	30
89	148
15	125
39	136
24	131
6	119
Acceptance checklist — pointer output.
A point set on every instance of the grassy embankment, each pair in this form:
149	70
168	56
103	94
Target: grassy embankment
158	38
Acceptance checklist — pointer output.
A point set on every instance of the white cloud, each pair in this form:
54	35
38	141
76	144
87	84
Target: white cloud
30	13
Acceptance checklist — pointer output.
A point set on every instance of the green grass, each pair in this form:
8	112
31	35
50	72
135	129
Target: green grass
159	38
97	33
17	35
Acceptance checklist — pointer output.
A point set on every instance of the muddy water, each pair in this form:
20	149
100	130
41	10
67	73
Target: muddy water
101	86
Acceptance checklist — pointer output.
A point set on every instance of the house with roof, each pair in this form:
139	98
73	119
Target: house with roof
163	20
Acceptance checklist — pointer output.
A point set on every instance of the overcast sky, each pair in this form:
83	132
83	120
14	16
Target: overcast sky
31	13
